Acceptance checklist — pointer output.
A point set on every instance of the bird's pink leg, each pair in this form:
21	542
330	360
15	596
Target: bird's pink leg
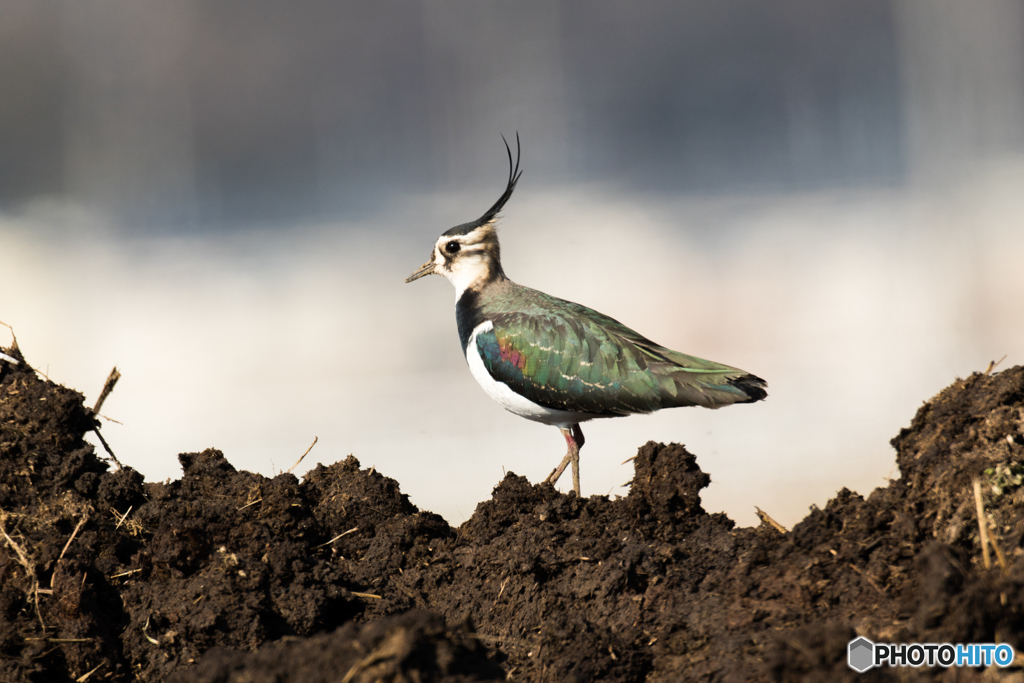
574	440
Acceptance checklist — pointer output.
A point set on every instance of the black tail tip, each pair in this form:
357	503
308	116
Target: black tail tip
752	385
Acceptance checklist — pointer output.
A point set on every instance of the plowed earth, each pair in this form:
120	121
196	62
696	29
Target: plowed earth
226	575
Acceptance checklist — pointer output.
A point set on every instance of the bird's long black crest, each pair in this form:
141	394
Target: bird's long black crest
513	178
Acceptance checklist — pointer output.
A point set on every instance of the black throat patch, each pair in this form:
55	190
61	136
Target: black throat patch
468	315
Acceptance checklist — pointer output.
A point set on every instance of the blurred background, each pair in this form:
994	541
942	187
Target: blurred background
223	199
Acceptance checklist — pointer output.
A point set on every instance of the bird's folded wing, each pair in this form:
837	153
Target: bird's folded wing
595	366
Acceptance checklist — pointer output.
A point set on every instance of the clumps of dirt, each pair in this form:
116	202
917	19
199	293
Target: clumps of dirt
231	576
100	569
412	646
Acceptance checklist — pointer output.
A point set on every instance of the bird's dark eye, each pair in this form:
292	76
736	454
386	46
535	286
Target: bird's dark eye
452	247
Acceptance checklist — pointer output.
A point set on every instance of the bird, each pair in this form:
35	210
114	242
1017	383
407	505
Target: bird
557	362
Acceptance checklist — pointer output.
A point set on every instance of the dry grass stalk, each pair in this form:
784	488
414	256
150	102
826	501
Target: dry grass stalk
127	573
73	534
106	447
344	533
145	628
108	387
30	572
992	365
22	558
767	519
987	539
503	584
315	439
84	677
14	339
982	524
123	517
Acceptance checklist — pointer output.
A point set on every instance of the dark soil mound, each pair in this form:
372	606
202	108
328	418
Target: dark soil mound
231	576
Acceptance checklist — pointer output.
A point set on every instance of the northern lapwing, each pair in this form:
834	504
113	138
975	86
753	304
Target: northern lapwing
557	362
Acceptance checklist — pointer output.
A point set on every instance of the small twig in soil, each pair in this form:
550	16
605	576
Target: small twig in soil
22	558
130	571
123	517
982	526
35	598
73	534
1000	558
14	340
108	386
258	500
30	572
367	595
767	519
344	533
986	531
130	525
503	584
66	546
315	439
84	677
993	363
146	635
106	447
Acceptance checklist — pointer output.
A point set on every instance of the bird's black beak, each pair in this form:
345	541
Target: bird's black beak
426	269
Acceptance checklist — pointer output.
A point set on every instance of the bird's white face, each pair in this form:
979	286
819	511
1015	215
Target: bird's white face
465	260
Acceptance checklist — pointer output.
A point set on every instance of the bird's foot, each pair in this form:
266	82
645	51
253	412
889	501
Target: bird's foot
557	472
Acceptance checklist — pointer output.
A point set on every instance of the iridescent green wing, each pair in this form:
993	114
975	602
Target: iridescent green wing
682	380
573	358
557	362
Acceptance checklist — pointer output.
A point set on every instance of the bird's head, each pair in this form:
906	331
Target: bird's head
469	254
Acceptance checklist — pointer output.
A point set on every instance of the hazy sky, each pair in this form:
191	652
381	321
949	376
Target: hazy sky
263	111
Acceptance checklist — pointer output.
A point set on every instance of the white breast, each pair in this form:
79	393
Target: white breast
510	400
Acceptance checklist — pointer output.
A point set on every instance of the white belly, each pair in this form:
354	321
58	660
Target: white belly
510	400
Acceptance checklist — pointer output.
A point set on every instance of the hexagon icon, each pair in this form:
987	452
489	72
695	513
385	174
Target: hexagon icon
860	654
